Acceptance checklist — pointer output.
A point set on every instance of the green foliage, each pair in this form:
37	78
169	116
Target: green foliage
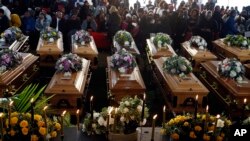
162	40
123	36
237	40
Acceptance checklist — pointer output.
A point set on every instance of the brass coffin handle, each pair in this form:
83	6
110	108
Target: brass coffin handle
203	74
35	68
25	77
214	85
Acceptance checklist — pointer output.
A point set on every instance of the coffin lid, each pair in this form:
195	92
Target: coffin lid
134	50
237	89
8	76
118	82
159	53
191	84
88	49
50	48
195	53
75	85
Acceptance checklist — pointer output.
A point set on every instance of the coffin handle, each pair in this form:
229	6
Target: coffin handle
35	68
25	77
214	85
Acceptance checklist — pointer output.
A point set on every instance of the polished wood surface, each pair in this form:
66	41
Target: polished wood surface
224	51
88	51
196	56
16	45
18	77
68	90
180	88
155	53
226	89
121	85
247	67
133	49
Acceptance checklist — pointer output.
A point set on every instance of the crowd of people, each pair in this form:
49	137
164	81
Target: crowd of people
108	16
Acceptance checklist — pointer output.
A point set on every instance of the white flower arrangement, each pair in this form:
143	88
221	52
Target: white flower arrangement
238	41
162	40
199	42
231	68
123	39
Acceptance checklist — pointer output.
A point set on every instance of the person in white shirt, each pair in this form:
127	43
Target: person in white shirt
5	9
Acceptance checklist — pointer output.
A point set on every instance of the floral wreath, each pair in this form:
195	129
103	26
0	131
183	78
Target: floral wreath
81	37
177	65
237	40
50	34
123	38
231	68
198	41
69	63
9	59
123	61
11	34
162	40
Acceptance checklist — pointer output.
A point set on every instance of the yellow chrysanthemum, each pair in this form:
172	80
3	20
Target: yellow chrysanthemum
14	114
206	137
41	123
175	136
186	123
58	126
24	123
28	115
197	128
53	134
42	131
34	138
37	117
25	131
13	121
192	135
12	132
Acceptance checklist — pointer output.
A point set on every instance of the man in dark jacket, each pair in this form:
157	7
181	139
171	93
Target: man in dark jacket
4	21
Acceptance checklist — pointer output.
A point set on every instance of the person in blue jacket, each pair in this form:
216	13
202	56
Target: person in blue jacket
229	26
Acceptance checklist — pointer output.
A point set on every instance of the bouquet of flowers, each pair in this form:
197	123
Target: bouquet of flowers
69	63
198	41
50	34
19	127
237	40
177	65
184	127
231	68
11	34
81	37
123	61
124	119
162	40
123	38
9	59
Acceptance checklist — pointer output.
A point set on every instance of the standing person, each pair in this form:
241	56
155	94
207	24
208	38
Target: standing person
229	26
114	22
206	26
218	22
5	9
4	21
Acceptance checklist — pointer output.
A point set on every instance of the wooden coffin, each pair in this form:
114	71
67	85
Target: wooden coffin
88	51
132	49
180	93
68	93
224	51
195	55
155	53
19	77
226	90
121	85
247	67
49	52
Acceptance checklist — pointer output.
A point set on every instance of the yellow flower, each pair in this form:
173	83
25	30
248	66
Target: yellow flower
192	135
34	138
53	134
206	137
12	132
40	123
203	117
163	131
13	121
186	124
58	126
212	118
175	136
197	128
198	116
7	122
37	117
25	131
14	114
42	131
24	123
228	122
28	115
